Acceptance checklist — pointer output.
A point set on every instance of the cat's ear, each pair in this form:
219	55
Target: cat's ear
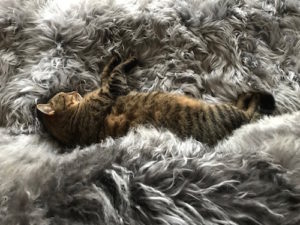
45	109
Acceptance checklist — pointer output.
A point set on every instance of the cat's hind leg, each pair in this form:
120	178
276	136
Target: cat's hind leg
256	104
243	101
262	102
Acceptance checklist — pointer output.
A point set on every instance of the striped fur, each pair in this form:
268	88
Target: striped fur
112	110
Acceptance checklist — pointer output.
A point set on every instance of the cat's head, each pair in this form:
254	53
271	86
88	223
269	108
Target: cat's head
59	103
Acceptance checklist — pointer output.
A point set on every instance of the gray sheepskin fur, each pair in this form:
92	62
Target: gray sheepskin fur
209	49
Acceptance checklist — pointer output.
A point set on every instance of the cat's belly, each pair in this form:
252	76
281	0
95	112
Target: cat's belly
184	116
116	125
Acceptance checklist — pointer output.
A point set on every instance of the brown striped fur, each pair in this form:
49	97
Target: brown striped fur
112	110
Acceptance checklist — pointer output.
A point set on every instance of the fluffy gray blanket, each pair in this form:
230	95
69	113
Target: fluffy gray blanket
210	49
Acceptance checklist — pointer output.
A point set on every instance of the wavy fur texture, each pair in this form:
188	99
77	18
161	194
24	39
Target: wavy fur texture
208	49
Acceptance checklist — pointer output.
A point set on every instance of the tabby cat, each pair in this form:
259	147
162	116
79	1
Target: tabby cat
112	110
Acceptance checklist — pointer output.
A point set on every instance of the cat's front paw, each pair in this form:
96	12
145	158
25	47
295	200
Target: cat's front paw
131	62
115	60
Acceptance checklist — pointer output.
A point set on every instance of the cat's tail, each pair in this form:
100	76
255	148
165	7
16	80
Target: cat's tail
261	102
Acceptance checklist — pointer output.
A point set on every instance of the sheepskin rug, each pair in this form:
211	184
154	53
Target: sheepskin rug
209	49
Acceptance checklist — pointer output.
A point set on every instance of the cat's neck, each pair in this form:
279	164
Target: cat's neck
60	126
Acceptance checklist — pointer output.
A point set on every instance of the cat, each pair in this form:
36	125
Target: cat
113	109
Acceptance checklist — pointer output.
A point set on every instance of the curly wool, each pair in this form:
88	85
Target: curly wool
160	180
208	49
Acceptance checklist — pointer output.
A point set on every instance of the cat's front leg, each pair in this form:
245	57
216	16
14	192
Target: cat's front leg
105	75
113	80
118	81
